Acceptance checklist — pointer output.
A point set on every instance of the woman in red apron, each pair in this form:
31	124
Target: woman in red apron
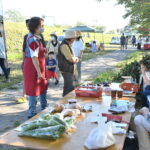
35	82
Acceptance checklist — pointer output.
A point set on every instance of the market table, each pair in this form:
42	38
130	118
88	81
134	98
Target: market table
75	141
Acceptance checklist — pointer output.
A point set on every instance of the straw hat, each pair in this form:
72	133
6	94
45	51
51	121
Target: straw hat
78	33
70	34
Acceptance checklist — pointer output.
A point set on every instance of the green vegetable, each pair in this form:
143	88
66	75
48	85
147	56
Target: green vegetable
59	121
53	132
41	124
34	124
69	121
53	122
46	116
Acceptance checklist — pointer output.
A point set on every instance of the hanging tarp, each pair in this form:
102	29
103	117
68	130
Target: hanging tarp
82	29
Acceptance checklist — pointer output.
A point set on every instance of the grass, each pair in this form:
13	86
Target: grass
89	55
15	76
16	124
109	75
106	76
14	49
16	72
136	56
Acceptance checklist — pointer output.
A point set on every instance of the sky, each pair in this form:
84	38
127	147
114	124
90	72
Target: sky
69	12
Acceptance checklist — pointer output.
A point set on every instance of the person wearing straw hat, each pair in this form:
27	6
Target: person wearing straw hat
78	49
67	61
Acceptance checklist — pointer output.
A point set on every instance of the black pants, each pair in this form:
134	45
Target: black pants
68	83
2	65
139	46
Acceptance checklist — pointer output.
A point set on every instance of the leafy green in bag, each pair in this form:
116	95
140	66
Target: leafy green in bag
53	132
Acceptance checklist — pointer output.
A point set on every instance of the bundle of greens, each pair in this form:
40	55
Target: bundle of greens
47	127
52	132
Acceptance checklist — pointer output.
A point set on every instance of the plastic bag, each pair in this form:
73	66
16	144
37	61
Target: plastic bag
100	137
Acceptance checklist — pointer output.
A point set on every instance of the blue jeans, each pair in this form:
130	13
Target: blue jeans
33	102
146	92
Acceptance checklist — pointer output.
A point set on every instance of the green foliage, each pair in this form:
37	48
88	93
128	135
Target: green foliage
138	11
15	32
16	123
100	28
146	61
130	69
107	76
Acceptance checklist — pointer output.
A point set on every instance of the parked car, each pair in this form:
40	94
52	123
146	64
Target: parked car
115	40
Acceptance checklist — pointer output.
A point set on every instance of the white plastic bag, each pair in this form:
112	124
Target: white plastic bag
100	137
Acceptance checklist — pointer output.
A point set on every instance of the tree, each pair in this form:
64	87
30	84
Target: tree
138	11
100	28
14	15
111	32
79	23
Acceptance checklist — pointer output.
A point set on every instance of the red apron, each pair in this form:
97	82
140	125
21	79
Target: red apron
33	86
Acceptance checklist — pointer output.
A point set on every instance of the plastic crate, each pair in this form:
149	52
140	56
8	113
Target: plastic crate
88	92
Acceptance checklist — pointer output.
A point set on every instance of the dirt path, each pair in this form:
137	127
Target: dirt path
10	112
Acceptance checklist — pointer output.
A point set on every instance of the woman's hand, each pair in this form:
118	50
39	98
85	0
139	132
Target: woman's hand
46	50
40	76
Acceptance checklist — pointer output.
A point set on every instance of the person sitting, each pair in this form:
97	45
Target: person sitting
146	80
51	67
94	47
142	124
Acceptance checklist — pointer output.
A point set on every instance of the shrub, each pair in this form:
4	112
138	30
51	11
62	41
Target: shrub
132	69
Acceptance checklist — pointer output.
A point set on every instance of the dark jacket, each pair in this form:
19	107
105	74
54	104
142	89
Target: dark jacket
63	64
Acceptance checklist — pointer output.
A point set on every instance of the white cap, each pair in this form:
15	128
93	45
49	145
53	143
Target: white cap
70	34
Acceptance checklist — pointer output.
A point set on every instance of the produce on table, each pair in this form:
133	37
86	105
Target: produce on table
69	121
53	132
47	127
71	112
34	125
87	108
57	108
74	106
46	116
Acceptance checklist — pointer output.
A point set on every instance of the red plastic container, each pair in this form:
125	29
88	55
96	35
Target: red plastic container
146	46
130	87
88	92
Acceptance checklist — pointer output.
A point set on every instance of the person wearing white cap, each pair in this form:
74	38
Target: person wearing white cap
78	48
67	61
